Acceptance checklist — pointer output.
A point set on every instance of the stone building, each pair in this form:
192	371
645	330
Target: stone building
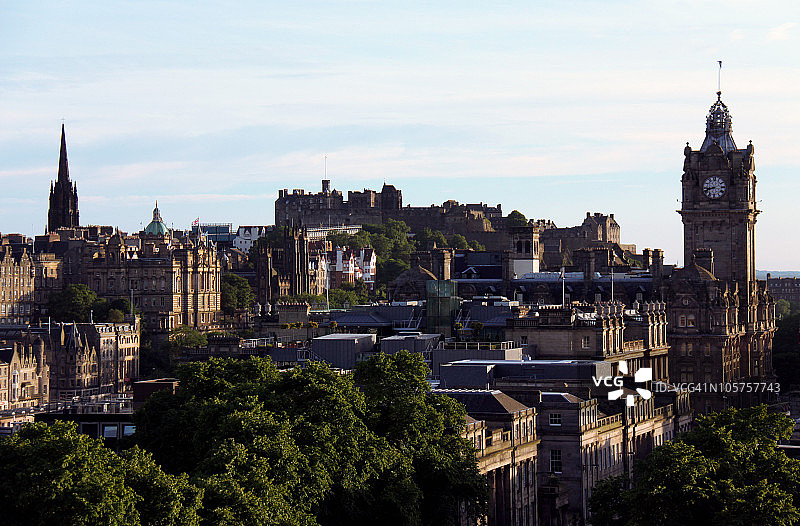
63	210
284	270
172	277
504	434
584	437
48	280
328	207
721	319
602	331
91	359
596	231
17	301
784	289
24	373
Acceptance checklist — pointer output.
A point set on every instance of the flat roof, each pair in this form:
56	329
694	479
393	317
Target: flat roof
526	362
344	336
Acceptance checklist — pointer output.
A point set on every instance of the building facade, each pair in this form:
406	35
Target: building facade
722	321
24	373
17	300
173	278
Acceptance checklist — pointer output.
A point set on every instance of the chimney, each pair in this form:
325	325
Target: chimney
647	258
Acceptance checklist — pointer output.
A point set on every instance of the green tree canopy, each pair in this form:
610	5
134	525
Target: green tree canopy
78	303
727	470
307	447
516	218
786	351
427	237
72	304
53	475
235	293
185	337
459	242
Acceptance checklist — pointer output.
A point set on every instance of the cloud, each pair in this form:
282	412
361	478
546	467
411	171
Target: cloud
781	32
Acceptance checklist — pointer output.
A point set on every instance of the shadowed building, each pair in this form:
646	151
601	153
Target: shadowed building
63	211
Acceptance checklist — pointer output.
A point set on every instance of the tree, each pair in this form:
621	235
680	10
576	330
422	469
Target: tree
78	303
727	470
426	429
782	309
185	337
72	304
515	218
115	316
389	269
426	238
458	241
786	351
476	246
235	293
306	446
53	475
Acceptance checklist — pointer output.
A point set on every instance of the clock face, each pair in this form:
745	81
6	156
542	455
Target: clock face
714	187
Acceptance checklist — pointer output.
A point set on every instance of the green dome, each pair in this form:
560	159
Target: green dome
156	226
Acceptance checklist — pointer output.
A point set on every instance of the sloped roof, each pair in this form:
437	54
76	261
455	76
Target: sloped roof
362	319
693	272
481	401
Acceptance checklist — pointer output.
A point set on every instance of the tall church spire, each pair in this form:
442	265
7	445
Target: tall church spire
63	166
63	210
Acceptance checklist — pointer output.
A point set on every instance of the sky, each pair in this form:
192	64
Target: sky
551	108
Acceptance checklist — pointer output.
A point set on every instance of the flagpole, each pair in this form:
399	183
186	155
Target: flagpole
612	278
563	288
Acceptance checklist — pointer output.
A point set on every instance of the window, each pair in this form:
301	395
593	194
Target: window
110	431
555	419
555	460
682	321
584	342
707	349
689	349
690	320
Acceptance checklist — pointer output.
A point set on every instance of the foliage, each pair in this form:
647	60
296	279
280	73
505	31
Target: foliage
115	316
308	447
786	351
516	218
459	242
185	337
783	309
53	475
235	293
78	303
727	470
72	304
476	246
426	238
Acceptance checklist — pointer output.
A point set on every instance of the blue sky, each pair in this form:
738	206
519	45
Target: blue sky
551	108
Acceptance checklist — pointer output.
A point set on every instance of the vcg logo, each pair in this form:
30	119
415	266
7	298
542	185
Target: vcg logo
644	374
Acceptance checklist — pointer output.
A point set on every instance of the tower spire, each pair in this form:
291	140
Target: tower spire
63	166
63	210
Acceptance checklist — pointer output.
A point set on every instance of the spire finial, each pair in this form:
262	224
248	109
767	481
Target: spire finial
719	79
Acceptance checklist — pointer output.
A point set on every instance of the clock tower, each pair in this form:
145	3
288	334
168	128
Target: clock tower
719	203
721	320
